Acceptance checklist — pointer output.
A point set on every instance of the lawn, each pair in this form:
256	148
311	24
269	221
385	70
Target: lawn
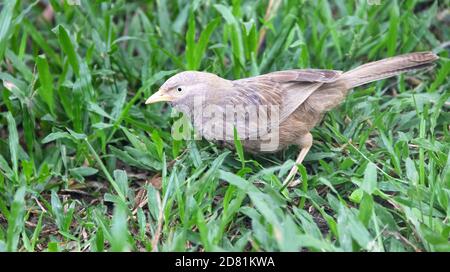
85	165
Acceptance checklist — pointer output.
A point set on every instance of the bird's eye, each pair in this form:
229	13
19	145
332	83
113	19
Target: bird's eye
179	89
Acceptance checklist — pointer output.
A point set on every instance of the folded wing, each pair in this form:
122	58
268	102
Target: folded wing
274	96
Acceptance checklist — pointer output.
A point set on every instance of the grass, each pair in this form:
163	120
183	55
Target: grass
86	166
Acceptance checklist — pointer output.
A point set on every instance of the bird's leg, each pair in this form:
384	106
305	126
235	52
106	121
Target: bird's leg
305	144
294	169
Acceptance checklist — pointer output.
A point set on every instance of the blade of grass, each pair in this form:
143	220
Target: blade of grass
46	80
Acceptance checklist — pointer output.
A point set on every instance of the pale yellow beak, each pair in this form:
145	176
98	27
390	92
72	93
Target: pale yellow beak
159	97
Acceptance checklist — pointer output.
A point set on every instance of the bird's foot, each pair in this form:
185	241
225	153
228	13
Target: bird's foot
305	142
290	176
294	183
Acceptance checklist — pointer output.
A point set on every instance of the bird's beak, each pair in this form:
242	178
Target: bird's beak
159	97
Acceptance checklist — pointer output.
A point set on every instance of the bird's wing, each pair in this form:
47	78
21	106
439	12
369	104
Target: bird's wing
286	89
274	96
303	75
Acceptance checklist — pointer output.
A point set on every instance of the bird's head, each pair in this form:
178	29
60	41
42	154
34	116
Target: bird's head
184	85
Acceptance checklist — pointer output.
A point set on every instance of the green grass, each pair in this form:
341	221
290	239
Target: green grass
86	166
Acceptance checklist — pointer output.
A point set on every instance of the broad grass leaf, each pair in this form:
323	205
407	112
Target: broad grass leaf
68	47
159	143
13	141
121	178
55	136
411	171
238	146
119	229
16	219
366	209
6	17
369	183
46	80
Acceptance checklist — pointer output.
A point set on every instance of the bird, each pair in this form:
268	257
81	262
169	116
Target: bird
272	111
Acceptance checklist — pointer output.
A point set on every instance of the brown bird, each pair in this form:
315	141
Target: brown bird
274	110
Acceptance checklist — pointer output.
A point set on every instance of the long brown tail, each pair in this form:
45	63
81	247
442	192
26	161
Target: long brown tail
387	68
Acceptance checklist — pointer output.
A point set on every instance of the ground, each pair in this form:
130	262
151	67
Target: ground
86	166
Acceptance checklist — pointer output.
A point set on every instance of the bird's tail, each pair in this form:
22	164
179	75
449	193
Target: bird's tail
389	67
